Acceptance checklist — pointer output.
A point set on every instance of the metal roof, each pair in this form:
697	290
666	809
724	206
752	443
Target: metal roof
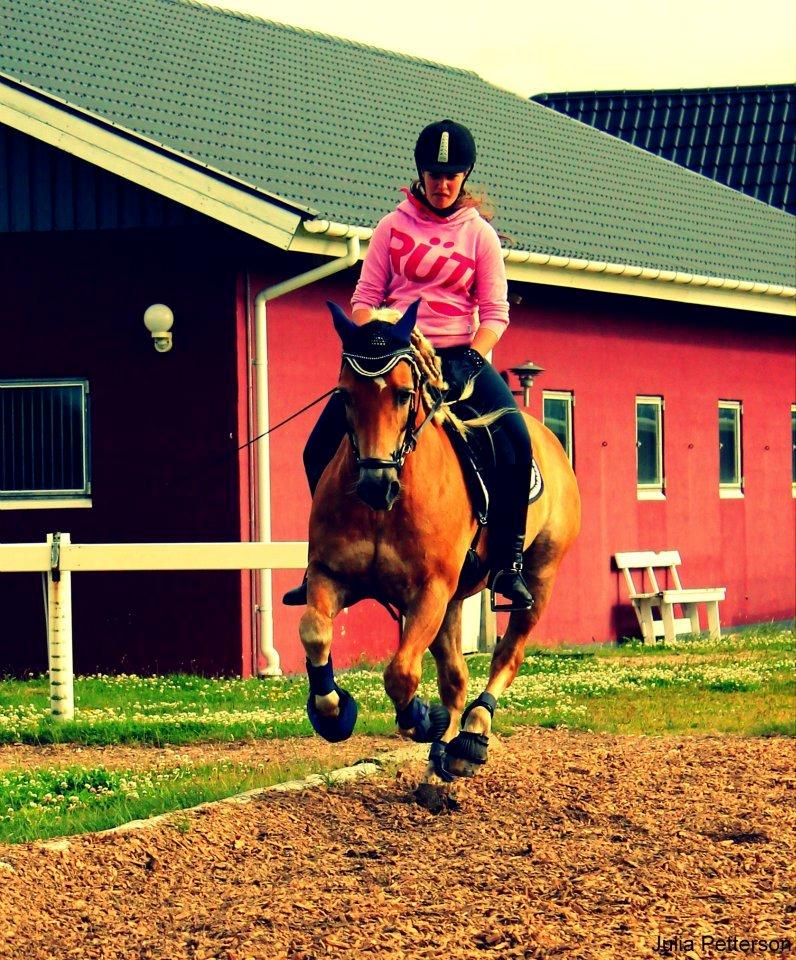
744	137
330	124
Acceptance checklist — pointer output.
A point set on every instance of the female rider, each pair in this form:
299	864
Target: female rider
436	247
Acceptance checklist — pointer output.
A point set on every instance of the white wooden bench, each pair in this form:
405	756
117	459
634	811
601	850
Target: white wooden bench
654	599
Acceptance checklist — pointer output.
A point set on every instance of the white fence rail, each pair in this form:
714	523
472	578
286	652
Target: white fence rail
59	558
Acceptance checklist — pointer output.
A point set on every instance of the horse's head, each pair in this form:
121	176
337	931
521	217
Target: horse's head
380	383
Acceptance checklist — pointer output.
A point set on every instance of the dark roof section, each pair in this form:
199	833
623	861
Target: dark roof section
331	124
744	137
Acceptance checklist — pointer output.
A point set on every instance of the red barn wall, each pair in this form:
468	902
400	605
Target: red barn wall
164	433
165	429
607	349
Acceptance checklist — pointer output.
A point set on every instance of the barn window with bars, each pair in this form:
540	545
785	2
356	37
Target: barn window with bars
44	442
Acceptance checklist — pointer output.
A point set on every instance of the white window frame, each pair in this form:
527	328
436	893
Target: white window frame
62	498
568	396
654	490
733	490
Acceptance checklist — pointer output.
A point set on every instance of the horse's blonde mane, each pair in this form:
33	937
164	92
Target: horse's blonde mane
430	367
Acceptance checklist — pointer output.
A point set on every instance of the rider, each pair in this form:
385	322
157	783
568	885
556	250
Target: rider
436	247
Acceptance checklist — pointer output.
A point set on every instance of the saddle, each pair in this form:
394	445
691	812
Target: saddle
477	458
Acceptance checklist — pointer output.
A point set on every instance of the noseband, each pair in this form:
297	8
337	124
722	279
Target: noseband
410	432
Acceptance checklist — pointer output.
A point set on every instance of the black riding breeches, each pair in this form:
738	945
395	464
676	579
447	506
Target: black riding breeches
490	394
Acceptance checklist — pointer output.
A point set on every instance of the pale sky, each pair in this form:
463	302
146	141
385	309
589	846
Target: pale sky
531	47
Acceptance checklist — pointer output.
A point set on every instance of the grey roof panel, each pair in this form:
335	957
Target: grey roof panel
331	124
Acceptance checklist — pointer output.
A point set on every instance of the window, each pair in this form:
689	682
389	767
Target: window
557	417
44	443
730	471
649	447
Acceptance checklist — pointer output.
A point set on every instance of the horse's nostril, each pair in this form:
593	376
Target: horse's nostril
377	489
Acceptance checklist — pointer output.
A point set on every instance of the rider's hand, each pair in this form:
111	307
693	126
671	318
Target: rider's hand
460	369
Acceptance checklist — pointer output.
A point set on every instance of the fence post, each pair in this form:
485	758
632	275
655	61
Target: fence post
487	635
59	631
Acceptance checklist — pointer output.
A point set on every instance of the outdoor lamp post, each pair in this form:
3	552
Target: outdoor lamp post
525	373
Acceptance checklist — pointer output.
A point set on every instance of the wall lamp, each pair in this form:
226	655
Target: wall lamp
159	319
525	373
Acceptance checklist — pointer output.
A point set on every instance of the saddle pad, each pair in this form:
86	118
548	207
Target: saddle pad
537	484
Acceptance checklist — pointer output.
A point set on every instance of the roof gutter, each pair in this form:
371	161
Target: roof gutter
527	266
265	605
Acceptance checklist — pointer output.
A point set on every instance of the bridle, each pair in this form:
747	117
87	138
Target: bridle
410	433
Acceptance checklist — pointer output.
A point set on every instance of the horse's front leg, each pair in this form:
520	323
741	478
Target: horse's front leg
424	616
331	709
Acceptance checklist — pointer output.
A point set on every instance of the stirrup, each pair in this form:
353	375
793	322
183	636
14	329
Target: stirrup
517	603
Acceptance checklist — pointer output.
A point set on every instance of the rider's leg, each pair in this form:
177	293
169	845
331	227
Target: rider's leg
512	481
321	446
324	440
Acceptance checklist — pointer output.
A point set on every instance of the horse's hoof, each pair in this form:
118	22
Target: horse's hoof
334	729
466	753
428	722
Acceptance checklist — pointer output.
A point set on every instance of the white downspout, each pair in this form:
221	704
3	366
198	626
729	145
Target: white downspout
265	608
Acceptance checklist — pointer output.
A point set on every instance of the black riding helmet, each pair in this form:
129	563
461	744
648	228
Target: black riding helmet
445	147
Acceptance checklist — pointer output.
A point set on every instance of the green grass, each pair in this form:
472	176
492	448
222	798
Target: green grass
37	804
744	684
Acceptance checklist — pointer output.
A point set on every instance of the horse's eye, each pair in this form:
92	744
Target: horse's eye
345	396
403	396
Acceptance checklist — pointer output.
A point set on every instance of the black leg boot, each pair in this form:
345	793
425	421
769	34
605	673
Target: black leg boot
507	540
297	597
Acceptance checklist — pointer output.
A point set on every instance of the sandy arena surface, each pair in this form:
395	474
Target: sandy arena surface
568	845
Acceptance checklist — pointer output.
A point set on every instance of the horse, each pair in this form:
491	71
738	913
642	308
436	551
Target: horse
392	519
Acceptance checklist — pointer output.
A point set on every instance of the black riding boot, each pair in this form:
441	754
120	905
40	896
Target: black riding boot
507	540
321	446
297	597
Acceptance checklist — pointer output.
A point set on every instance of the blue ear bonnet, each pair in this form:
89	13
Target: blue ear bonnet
374	348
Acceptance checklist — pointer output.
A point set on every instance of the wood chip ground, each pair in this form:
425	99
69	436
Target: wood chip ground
568	845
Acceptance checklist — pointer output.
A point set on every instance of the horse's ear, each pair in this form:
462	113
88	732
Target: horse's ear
342	324
406	324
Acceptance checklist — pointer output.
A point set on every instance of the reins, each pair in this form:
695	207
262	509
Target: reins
292	416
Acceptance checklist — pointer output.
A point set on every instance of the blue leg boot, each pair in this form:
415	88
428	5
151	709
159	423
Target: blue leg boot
333	729
472	747
429	722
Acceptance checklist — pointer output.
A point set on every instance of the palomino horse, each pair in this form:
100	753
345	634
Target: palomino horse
392	520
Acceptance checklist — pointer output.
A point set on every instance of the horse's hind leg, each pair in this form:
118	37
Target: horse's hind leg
331	709
451	667
468	752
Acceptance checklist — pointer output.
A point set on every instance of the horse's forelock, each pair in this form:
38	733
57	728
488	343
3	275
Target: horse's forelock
386	314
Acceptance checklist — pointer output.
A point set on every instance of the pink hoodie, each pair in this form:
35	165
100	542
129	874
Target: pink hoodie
454	264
